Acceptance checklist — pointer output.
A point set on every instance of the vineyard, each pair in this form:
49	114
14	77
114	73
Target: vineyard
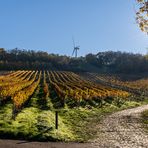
66	86
134	84
29	99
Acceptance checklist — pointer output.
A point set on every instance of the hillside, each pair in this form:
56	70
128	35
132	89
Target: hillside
102	62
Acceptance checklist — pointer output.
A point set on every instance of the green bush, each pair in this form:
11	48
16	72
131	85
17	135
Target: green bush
118	101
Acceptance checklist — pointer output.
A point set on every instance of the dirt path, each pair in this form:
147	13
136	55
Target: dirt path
122	130
26	144
119	130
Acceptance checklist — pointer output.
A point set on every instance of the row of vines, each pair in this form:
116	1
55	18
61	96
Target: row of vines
138	85
70	85
19	86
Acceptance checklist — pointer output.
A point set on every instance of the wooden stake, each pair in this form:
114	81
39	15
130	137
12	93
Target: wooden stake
56	119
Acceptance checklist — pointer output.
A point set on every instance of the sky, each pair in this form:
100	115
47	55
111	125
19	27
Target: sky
49	25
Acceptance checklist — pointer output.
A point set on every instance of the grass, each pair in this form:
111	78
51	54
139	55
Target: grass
36	122
32	124
144	116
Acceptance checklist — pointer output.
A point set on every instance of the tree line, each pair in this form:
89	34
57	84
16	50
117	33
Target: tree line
109	61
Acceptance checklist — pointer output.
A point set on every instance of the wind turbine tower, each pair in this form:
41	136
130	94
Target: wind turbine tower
75	49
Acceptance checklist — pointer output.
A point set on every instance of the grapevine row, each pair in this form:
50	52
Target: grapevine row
68	84
23	95
10	90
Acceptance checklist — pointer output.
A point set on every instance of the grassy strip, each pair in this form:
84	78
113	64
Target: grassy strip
34	123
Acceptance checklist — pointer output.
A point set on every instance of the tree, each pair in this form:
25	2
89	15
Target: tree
142	15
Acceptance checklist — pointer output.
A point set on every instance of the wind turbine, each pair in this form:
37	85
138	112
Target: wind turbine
75	48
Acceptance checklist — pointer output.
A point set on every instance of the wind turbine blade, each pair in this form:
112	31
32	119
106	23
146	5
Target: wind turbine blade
73	52
73	42
76	53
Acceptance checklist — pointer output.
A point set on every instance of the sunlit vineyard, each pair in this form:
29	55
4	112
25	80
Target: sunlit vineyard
69	85
19	86
134	84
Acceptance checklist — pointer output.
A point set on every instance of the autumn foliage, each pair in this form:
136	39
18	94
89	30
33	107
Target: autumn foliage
142	15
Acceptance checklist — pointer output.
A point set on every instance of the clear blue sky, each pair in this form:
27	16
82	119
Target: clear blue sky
48	25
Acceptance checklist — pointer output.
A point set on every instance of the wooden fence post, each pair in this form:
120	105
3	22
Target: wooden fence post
56	119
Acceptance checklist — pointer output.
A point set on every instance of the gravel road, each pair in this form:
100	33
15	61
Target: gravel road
122	130
119	130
